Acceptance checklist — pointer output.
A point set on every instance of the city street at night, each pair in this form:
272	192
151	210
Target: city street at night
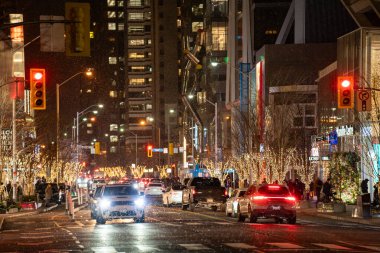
174	230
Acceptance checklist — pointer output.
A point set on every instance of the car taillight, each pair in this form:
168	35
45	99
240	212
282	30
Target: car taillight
258	197
193	191
274	187
225	192
290	198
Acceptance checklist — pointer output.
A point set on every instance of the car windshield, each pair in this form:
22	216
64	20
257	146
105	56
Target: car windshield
205	182
155	185
97	192
120	191
99	181
269	190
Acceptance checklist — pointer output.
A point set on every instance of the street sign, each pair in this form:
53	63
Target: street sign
363	101
313	158
159	150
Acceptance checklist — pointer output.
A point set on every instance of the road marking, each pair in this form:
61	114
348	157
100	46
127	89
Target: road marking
37	237
193	223
332	246
194	246
165	223
374	248
43	228
286	245
79	223
240	245
223	223
34	233
56	223
33	243
11	230
107	249
146	248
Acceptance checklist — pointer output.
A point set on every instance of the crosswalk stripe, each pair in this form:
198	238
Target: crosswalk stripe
374	248
193	223
223	223
106	249
194	246
240	245
146	248
331	246
286	245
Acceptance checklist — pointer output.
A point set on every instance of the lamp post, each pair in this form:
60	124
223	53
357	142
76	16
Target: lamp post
77	130
216	130
89	73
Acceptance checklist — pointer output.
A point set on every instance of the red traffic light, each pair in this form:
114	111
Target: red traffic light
150	151
37	76
345	92
150	147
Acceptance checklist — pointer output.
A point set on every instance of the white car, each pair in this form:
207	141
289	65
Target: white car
233	202
172	195
153	189
120	201
96	182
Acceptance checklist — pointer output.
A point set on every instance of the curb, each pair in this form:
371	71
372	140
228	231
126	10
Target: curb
348	219
80	207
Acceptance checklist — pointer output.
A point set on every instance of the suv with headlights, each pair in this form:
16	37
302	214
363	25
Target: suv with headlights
120	201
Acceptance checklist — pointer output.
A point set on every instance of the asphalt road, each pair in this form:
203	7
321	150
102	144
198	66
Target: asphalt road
174	230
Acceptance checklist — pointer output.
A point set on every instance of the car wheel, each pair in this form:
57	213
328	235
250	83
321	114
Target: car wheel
240	217
100	220
184	207
192	207
292	220
252	217
278	220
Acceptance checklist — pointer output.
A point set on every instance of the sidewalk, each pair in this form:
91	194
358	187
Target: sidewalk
24	213
345	216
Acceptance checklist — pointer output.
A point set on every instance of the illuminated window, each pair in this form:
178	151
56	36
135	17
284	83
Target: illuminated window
89	125
120	26
111	3
113	127
90	131
195	26
120	3
136	16
113	149
136	29
121	14
136	81
149	106
219	36
136	42
111	14
111	26
179	23
148	15
112	60
135	2
136	55
137	68
113	94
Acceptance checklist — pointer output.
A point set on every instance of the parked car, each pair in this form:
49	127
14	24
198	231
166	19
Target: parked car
203	192
233	201
120	201
153	189
268	201
172	195
94	201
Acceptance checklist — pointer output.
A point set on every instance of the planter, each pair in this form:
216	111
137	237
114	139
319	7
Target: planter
350	208
339	207
13	210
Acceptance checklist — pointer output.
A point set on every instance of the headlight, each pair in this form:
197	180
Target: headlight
140	202
135	186
104	203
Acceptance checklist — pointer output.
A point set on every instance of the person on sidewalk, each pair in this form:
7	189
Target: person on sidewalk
48	194
364	186
19	192
327	187
3	193
9	188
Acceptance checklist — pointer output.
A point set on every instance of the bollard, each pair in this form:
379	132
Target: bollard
67	201
72	209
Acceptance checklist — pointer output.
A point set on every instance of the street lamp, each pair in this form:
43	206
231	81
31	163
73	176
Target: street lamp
77	129
89	73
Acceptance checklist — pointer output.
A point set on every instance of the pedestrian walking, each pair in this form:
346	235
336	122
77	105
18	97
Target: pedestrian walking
19	192
318	184
364	186
9	188
48	194
327	187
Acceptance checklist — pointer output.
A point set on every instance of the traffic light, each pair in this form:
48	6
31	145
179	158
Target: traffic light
97	148
345	92
37	89
78	31
171	149
150	150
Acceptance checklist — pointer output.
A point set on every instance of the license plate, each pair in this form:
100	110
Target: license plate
210	200
276	207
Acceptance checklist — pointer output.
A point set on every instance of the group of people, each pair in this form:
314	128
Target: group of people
6	191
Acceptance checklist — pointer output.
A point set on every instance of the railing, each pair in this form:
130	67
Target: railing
81	199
